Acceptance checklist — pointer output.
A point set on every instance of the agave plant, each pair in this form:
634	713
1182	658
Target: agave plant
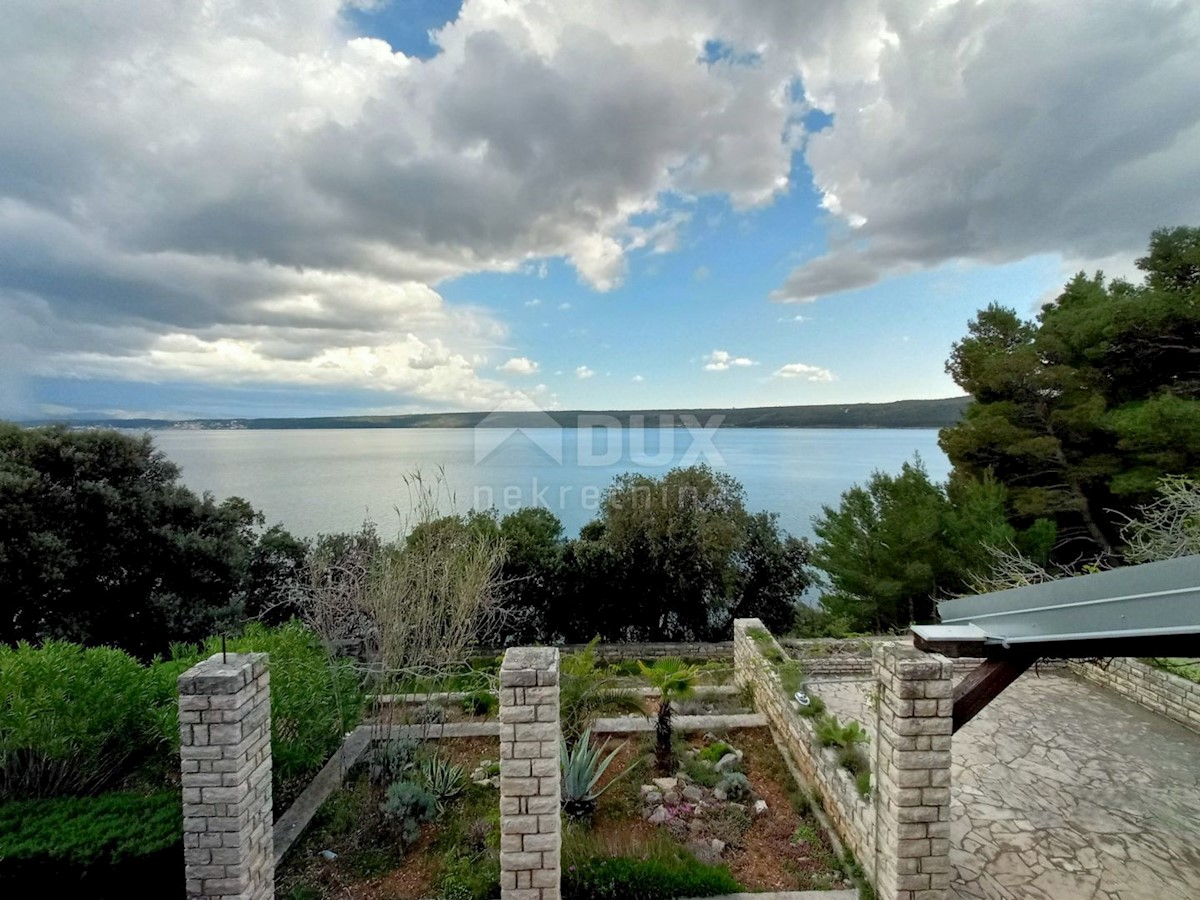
582	768
444	780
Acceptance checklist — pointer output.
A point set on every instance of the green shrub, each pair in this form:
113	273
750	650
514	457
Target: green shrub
700	771
409	806
815	708
657	878
469	877
392	760
862	782
74	720
90	831
480	703
314	700
832	733
714	751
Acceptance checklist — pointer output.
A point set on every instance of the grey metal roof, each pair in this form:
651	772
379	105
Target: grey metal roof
1155	600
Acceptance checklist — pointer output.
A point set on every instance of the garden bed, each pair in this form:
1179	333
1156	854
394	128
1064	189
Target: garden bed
351	850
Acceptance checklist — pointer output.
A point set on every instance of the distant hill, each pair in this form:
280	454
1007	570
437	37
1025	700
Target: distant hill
900	414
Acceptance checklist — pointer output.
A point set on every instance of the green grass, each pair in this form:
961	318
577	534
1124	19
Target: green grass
662	870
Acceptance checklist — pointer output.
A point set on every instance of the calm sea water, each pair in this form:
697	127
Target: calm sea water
316	481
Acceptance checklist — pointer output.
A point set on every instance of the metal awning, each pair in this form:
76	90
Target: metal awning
1146	610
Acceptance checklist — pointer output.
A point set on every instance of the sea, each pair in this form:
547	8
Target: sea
323	481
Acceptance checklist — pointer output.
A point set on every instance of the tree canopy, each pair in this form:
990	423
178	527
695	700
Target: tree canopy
101	544
1082	411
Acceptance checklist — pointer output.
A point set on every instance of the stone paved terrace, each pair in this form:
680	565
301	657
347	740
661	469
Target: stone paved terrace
1065	791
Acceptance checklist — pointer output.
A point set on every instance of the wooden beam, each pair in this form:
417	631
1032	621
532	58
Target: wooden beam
983	684
1095	648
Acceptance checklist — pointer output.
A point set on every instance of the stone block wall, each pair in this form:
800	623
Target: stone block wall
912	773
853	815
901	832
530	783
225	761
1157	690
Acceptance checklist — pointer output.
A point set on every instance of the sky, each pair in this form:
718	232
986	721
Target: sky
216	208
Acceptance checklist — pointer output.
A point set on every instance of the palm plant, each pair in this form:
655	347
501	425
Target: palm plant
587	692
674	680
582	769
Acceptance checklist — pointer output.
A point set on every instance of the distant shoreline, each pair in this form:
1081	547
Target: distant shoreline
897	414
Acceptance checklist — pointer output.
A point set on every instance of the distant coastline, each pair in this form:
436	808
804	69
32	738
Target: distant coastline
898	414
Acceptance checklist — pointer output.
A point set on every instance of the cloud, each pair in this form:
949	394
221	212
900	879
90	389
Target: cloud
564	306
638	378
582	372
722	360
535	302
795	320
250	192
960	133
255	193
519	365
802	370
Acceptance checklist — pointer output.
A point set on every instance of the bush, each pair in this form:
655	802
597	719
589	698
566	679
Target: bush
815	708
658	878
94	846
714	751
75	720
480	703
467	877
409	806
314	700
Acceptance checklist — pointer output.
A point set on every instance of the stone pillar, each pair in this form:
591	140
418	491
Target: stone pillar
530	795
225	756
912	769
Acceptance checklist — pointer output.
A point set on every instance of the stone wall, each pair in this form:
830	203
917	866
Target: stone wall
1157	690
530	783
900	833
225	761
852	814
912	773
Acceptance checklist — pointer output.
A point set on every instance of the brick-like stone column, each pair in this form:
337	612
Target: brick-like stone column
225	756
530	789
912	768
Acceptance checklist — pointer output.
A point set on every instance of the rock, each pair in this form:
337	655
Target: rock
671	798
741	807
647	788
329	855
695	826
693	794
719	793
703	851
652	798
682	777
659	816
729	759
718	846
709	737
760	807
665	784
